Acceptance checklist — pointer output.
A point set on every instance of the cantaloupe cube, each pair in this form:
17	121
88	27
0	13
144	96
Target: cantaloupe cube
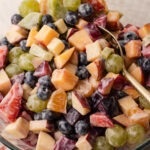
56	46
64	79
144	31
81	24
93	51
133	49
61	26
31	37
71	67
80	39
45	35
5	83
62	59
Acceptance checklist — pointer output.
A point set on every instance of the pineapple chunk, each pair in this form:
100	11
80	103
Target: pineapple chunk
127	104
45	35
81	24
56	46
5	83
18	129
62	78
45	142
62	59
61	26
93	51
40	52
70	67
31	37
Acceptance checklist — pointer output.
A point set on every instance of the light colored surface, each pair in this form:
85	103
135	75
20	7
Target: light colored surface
135	11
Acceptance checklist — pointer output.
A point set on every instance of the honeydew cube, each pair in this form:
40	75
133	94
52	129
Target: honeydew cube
71	67
61	26
56	46
40	52
93	51
18	129
45	35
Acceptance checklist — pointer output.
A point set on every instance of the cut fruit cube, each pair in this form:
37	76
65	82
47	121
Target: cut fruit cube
62	59
36	61
18	129
147	111
33	19
71	5
94	83
93	51
70	67
44	9
45	35
40	52
80	103
144	31
5	83
80	43
31	37
61	76
45	142
74	58
127	104
26	91
58	101
56	46
4	54
61	26
81	24
133	49
58	135
103	43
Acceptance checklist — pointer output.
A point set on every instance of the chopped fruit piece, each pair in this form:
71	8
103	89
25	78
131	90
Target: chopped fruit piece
36	61
71	5
131	91
70	32
80	103
41	125
16	34
45	35
44	9
18	129
106	85
100	120
81	24
58	101
146	51
81	42
128	61
31	37
96	69
148	112
57	135
137	72
56	46
61	76
26	91
61	26
103	43
127	104
31	20
107	52
45	142
3	54
85	88
74	58
144	31
94	83
133	49
93	51
70	67
62	59
40	52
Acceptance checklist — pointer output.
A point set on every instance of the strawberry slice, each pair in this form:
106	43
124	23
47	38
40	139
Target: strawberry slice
11	104
3	54
100	120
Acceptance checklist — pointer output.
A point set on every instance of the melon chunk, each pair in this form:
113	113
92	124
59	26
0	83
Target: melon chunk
144	31
64	79
70	67
18	129
81	24
5	83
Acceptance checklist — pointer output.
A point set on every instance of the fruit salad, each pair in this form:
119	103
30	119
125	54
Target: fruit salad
61	81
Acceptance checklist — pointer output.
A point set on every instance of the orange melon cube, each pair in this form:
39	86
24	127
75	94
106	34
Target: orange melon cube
81	24
71	67
144	31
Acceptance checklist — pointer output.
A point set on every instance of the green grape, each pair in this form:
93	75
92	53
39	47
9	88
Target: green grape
35	104
28	6
144	103
13	69
72	4
25	62
107	52
114	63
102	144
14	55
116	136
135	134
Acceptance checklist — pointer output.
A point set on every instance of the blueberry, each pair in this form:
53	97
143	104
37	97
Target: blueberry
82	59
140	61
146	65
65	127
85	10
128	36
4	41
67	45
82	73
47	19
120	94
43	92
45	81
51	25
52	65
23	45
81	127
71	18
30	79
16	18
10	46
